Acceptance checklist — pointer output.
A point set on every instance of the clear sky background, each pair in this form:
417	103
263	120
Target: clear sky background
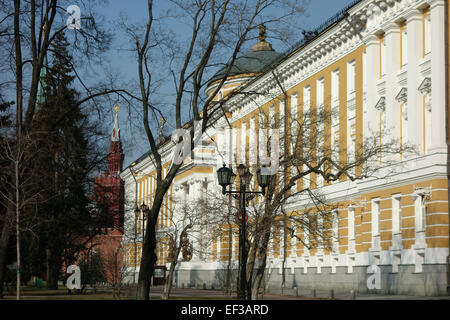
122	60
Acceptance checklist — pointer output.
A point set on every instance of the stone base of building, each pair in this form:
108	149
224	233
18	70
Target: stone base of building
204	279
431	282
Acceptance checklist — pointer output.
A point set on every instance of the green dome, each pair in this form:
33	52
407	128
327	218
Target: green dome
252	62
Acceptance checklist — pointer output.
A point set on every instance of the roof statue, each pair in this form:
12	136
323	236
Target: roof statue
262	45
262	33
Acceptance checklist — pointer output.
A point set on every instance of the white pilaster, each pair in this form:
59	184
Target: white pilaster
373	60
438	91
196	189
415	107
392	38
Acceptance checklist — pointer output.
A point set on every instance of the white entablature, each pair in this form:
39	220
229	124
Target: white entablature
363	20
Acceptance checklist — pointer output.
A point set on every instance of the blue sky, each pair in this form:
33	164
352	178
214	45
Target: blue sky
123	61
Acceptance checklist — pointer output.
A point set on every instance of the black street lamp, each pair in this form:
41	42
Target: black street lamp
226	177
137	211
145	211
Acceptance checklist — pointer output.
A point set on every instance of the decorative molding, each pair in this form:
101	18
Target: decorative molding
425	86
402	96
381	104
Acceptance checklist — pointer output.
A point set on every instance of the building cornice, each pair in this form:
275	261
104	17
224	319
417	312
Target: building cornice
361	25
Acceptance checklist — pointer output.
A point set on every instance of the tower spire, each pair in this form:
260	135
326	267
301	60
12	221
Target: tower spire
115	156
116	130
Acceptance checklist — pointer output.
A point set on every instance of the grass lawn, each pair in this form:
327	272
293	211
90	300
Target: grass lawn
33	293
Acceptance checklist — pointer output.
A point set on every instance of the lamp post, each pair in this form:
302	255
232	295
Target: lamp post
226	177
137	211
145	211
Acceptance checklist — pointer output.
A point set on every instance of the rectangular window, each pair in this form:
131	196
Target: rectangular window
419	214
320	93
335	87
271	117
351	79
375	217
294	120
396	213
335	228
351	223
306	226
320	229
306	99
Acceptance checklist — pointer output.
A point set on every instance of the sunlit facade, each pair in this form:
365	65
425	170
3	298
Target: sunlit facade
382	65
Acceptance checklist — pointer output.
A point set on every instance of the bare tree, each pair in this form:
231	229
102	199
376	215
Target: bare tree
19	191
117	270
27	31
308	160
217	28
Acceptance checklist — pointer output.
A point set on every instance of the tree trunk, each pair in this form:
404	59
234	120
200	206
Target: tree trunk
4	240
17	224
147	266
54	275
168	285
149	258
228	290
262	265
53	269
251	266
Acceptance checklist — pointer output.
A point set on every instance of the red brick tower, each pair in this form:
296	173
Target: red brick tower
109	186
110	198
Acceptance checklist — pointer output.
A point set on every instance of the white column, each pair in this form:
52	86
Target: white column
392	38
196	187
415	107
282	114
228	146
438	91
293	140
252	148
234	148
220	145
243	142
372	58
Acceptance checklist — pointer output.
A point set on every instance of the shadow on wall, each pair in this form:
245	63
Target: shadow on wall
226	279
430	282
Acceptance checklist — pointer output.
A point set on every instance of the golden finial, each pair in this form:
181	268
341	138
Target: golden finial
116	109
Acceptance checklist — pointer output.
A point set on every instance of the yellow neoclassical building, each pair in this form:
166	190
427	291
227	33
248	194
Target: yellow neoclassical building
378	68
